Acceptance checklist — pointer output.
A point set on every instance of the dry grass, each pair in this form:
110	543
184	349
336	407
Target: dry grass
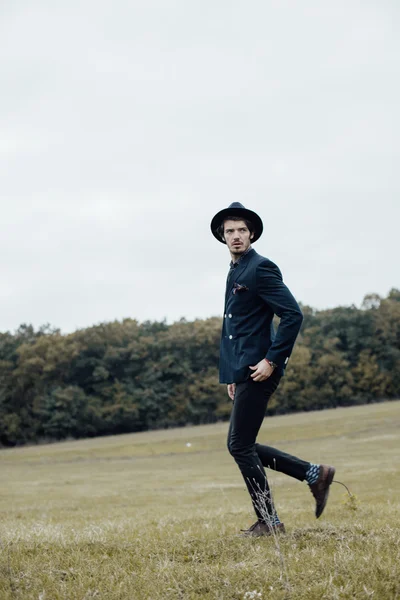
146	517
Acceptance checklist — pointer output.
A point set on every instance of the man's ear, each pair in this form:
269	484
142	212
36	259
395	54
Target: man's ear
251	236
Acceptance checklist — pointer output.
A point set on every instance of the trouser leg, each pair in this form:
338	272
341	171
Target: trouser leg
283	462
251	399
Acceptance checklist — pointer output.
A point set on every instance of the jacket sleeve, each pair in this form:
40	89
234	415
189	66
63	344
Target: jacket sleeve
277	296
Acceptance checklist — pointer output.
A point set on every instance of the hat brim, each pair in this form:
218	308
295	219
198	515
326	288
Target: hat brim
244	213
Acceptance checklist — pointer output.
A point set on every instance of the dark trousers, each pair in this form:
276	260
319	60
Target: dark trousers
248	412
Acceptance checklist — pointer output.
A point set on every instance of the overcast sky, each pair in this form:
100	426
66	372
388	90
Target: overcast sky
126	125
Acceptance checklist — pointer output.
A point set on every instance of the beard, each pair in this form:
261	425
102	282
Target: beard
239	250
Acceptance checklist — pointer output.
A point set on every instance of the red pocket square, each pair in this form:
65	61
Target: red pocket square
237	288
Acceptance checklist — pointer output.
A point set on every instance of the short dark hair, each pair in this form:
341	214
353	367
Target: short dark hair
249	225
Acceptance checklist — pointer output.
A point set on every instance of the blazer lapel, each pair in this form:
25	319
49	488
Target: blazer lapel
237	272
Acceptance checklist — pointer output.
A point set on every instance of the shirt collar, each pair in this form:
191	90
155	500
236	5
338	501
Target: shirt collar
232	264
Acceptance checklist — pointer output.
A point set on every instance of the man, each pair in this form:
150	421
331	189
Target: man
252	362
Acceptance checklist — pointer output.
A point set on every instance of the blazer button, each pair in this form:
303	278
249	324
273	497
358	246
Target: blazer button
224	316
230	337
230	316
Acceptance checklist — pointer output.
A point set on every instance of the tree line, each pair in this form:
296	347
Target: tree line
127	376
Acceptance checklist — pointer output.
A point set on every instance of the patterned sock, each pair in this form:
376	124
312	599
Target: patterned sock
312	474
275	519
271	520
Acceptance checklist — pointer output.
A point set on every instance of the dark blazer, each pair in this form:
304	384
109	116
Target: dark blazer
254	293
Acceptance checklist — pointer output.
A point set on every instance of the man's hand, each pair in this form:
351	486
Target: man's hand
262	371
231	390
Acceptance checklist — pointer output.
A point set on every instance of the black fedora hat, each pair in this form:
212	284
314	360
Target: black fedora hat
237	210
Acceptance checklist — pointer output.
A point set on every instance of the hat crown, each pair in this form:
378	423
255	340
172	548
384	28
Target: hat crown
236	205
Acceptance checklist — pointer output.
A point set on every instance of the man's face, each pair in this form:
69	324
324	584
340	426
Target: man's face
237	237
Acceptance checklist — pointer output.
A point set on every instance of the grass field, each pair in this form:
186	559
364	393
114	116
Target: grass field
145	516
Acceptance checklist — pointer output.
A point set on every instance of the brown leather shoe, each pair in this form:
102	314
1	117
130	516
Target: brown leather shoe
320	489
259	529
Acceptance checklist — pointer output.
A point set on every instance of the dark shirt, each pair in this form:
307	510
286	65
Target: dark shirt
232	264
